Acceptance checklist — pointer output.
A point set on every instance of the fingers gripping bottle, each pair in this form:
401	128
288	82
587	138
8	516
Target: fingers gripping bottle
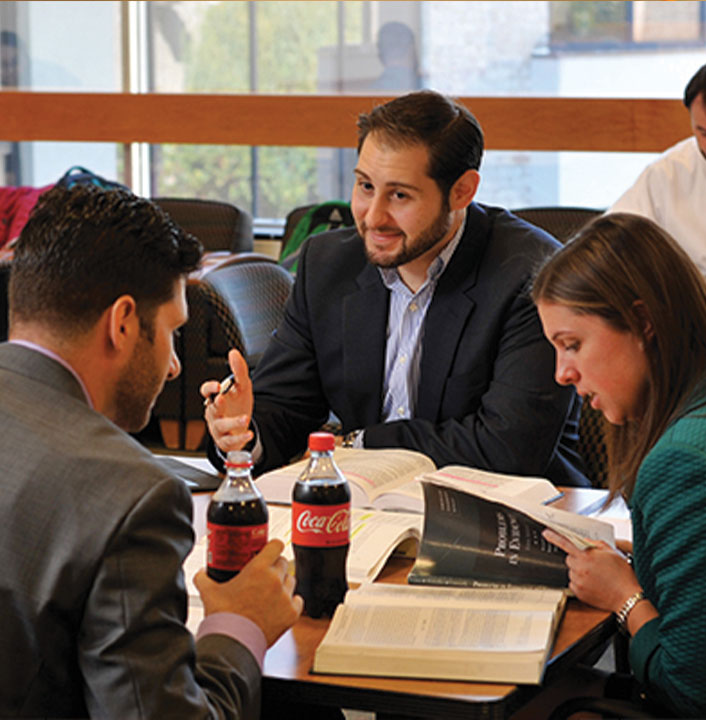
321	509
236	520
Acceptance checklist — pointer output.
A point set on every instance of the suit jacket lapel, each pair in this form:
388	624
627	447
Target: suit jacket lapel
449	312
364	339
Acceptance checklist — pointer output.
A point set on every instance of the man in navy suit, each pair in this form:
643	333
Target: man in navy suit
414	328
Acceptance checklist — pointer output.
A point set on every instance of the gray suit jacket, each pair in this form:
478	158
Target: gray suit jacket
487	396
93	534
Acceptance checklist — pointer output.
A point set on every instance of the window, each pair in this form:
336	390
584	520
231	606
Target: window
620	24
73	46
481	48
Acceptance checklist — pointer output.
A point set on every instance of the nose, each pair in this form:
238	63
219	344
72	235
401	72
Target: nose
376	212
174	366
566	372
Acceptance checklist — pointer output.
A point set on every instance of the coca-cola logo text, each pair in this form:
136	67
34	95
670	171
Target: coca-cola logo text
321	525
308	522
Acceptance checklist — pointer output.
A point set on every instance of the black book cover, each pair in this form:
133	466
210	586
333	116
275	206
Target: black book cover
470	540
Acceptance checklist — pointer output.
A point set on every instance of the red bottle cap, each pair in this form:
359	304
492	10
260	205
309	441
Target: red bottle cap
321	441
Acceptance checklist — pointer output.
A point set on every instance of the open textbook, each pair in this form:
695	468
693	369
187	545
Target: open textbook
473	540
481	634
390	479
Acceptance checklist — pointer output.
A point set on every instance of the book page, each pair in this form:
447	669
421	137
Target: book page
476	598
436	627
369	473
582	530
497	486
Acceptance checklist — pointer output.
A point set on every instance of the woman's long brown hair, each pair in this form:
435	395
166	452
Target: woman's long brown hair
628	271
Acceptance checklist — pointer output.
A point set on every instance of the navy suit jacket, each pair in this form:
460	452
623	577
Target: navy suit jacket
487	396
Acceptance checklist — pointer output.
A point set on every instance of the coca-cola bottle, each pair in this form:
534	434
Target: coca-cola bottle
321	508
236	520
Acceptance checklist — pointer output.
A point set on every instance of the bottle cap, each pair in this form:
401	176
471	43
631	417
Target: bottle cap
321	441
238	459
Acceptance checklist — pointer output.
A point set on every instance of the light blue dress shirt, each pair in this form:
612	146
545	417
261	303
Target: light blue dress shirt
405	334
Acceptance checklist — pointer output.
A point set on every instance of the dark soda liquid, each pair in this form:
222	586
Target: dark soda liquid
251	512
321	571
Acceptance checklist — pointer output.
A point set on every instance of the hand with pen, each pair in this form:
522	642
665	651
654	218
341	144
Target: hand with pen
228	406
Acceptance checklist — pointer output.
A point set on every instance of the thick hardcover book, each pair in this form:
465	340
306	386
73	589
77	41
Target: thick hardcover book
481	634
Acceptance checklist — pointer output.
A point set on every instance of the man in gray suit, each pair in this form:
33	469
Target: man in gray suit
93	531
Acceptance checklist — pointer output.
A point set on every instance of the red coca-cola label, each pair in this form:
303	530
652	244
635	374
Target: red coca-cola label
321	525
230	547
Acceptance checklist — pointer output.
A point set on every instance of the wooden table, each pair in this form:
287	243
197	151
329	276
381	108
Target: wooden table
583	632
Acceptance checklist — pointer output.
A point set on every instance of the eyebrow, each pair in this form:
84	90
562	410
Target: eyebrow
395	183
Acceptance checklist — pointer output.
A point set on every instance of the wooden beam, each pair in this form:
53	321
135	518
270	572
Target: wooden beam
509	123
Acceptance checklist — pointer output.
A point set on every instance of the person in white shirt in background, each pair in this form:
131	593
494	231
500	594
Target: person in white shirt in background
672	189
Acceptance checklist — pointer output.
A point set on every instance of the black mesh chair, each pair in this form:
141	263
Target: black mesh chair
578	708
561	222
592	445
238	304
218	225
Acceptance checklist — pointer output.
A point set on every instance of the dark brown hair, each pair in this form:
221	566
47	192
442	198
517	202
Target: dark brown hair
696	86
84	247
626	269
449	131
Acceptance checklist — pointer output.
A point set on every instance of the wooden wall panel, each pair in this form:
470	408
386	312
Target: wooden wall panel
329	121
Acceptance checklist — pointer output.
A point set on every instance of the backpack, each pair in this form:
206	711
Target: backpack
317	218
78	174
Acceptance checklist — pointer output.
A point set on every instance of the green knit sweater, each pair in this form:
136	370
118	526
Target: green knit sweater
668	510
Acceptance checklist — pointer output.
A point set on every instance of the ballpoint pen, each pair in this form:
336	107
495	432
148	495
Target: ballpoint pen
227	384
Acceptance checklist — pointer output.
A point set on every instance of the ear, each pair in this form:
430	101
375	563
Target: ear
123	324
644	319
464	190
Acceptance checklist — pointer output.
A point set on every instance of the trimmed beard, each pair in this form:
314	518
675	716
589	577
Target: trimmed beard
418	245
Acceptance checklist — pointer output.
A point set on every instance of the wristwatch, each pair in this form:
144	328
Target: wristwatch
350	438
622	615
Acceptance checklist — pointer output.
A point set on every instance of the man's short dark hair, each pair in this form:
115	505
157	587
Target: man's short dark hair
449	131
696	86
84	247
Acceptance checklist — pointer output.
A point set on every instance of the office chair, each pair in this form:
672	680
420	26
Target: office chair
218	225
624	698
592	445
561	222
236	305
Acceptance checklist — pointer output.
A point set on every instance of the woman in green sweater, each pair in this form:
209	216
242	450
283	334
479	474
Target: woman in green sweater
625	310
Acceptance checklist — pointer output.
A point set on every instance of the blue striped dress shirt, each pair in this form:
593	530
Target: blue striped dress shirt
405	334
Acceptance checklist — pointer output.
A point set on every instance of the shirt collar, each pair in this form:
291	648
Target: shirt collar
438	264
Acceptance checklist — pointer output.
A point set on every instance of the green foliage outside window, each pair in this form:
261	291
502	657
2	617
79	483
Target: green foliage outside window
289	35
